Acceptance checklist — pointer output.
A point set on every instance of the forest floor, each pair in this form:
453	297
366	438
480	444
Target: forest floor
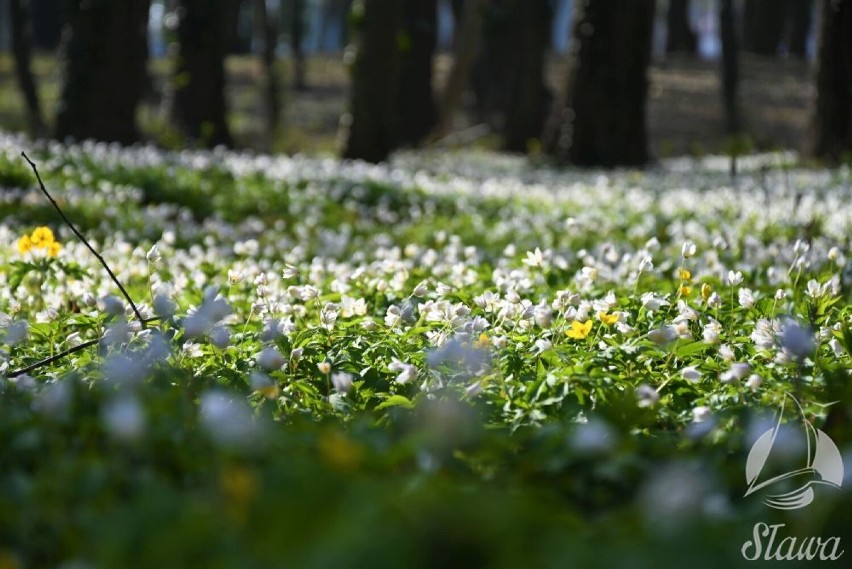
684	111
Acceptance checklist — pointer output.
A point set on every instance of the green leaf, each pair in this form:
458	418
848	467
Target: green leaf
396	401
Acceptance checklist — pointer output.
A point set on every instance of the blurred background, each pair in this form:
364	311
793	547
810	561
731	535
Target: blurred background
641	80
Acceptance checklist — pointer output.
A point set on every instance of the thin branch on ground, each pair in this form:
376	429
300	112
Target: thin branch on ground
85	241
88	343
53	358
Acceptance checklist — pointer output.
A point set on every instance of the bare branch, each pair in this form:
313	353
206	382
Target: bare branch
85	242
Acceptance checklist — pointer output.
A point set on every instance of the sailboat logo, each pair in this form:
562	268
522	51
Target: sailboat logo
822	464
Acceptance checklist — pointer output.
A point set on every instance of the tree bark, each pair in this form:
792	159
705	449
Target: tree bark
267	34
416	99
466	48
681	37
601	120
800	26
48	17
528	98
730	66
371	129
833	116
297	36
104	53
763	25
199	108
21	48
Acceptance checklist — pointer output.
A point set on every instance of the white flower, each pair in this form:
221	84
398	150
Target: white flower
715	301
534	258
797	340
734	278
652	302
153	255
324	367
543	345
421	289
746	297
270	359
124	418
688	249
443	289
393	316
662	335
342	381
646	396
296	354
691	374
407	371
308	292
220	337
815	290
289	271
726	352
753	382
701	413
780	294
234	277
836	347
17	332
163	306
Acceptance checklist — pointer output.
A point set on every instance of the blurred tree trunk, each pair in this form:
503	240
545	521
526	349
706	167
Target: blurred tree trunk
199	109
763	25
266	30
103	57
373	122
681	37
297	36
601	119
21	48
48	17
468	39
800	26
528	98
833	117
730	66
416	100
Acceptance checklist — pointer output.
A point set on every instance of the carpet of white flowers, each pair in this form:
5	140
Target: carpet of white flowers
447	317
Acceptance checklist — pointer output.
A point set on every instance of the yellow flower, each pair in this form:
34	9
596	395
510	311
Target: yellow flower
42	237
685	290
579	330
608	318
53	249
684	274
25	245
483	342
706	291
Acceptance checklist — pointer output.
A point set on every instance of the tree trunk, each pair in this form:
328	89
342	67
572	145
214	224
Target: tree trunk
267	33
730	66
466	48
833	118
800	26
373	122
103	56
297	36
528	98
416	100
763	25
681	37
48	17
21	48
199	108
601	121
